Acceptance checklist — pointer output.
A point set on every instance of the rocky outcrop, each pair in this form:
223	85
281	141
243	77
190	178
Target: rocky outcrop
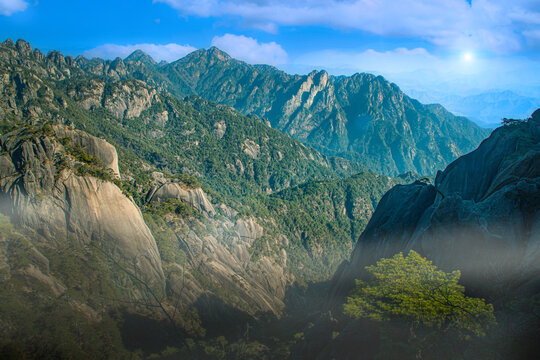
221	264
91	145
41	192
124	99
481	216
168	189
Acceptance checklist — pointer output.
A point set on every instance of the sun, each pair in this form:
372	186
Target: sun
468	56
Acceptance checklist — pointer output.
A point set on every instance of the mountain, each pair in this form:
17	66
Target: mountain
139	55
141	223
152	221
480	217
362	117
484	108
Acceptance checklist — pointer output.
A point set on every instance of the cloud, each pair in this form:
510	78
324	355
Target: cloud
250	50
495	25
379	62
168	52
8	7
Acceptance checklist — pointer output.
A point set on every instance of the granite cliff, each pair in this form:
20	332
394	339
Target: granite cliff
480	215
43	189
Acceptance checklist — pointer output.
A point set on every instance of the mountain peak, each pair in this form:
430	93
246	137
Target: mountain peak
212	55
139	55
9	43
220	54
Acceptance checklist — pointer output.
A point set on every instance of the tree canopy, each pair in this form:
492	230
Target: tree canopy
411	288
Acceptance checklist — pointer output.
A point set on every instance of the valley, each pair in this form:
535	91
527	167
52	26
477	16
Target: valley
207	208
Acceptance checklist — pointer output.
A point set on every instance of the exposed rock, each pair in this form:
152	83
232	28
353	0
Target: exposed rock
219	129
219	251
173	190
130	99
63	207
251	148
482	217
92	146
161	118
248	229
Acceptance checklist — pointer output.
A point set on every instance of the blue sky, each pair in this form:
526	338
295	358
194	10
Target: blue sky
451	47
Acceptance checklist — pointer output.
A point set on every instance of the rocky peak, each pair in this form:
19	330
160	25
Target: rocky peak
38	55
476	175
9	43
536	115
204	57
318	77
214	52
69	60
481	216
23	48
118	66
57	58
139	55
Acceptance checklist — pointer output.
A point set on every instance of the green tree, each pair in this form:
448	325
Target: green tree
411	288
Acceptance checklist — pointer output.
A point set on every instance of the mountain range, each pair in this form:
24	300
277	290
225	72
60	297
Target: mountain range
362	117
206	208
485	108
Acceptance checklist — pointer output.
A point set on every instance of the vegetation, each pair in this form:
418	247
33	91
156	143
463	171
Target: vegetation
410	291
321	220
412	288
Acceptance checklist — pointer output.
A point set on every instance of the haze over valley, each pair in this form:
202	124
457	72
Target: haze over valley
269	180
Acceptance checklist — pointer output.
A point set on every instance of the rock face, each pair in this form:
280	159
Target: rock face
125	99
221	265
63	207
91	145
173	190
482	216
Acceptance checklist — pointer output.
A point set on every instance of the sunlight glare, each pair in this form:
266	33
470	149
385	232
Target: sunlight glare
468	57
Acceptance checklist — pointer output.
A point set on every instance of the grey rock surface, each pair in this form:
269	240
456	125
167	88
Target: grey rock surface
63	207
482	216
92	146
165	190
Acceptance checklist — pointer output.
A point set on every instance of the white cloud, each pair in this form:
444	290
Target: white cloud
8	7
250	50
397	60
495	25
168	52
